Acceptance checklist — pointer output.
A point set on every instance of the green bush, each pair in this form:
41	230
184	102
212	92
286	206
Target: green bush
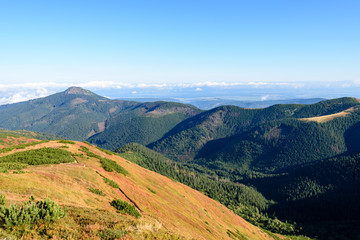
97	191
110	166
39	156
2	200
66	141
110	234
106	151
107	164
125	207
89	153
111	182
29	213
6	166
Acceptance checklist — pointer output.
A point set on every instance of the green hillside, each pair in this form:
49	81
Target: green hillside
255	138
144	123
74	114
78	114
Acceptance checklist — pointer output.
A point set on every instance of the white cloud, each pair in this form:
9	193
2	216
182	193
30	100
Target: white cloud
263	98
11	93
22	95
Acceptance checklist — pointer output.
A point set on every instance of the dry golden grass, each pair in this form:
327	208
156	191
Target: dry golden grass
10	141
170	208
326	118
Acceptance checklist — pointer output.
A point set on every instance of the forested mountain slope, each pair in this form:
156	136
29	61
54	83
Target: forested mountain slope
75	113
268	139
143	123
78	114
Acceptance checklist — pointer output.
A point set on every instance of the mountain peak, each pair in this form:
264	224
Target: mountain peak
78	90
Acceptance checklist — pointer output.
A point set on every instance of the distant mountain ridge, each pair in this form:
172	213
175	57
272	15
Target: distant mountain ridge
78	114
210	103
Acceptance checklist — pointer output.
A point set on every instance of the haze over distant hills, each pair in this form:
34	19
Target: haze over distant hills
209	103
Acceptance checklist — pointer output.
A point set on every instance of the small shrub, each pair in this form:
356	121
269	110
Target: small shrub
2	200
107	164
111	182
64	146
29	213
110	234
66	141
89	153
97	191
105	151
110	166
6	166
125	207
152	190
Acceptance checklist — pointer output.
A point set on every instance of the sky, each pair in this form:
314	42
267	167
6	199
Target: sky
142	48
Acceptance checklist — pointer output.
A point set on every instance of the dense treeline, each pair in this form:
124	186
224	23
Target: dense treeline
227	193
141	129
313	194
244	200
266	129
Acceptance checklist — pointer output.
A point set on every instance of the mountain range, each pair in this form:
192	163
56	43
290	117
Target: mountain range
298	162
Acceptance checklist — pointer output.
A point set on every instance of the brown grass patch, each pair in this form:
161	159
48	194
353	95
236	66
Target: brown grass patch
326	118
10	141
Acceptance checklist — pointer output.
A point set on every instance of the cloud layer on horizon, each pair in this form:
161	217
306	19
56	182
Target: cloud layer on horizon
12	93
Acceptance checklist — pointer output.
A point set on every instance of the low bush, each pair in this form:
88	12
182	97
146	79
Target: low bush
6	166
110	166
2	200
125	207
66	141
97	191
110	234
152	191
111	182
106	151
29	213
39	156
107	164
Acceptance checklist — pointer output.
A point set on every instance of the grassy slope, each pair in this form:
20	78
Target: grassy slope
167	207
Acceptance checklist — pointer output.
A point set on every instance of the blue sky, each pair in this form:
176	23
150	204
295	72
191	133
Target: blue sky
61	43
